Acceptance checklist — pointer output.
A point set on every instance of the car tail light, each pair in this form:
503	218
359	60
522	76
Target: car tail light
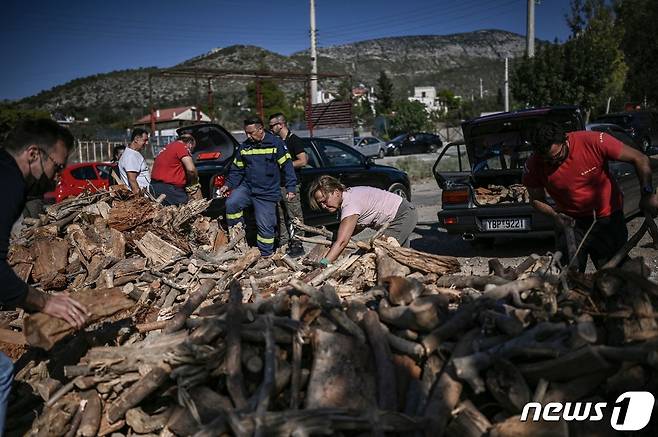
450	220
208	155
218	181
454	196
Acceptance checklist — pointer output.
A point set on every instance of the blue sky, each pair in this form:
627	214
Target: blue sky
47	43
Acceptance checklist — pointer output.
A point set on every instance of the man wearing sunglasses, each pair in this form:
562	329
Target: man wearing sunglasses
293	208
573	169
34	152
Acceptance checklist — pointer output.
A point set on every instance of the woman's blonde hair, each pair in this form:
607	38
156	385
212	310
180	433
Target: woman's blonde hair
326	184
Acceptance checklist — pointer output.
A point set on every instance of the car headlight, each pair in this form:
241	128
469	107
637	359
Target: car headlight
390	145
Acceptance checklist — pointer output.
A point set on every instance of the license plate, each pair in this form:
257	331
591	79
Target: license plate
506	224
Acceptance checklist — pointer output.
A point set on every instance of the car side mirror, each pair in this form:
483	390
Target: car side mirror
369	161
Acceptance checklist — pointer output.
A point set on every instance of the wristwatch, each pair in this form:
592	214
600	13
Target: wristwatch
648	189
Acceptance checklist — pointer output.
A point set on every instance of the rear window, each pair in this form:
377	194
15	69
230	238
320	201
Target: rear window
210	139
620	120
504	143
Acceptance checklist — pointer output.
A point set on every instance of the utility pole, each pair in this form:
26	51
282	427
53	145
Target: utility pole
530	33
314	57
480	88
506	84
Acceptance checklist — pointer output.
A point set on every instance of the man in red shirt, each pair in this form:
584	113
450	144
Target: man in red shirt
573	169
174	173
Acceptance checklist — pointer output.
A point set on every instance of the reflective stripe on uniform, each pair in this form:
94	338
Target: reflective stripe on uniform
265	240
234	216
284	158
264	151
237	163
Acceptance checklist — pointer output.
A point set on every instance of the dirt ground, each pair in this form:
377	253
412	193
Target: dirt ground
428	237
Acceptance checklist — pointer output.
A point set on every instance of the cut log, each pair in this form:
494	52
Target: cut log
341	375
387	266
468	421
138	392
91	417
50	256
425	262
386	384
42	330
513	427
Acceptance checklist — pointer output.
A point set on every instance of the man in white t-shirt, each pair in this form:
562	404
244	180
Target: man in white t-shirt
132	166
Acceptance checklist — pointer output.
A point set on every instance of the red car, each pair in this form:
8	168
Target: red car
78	178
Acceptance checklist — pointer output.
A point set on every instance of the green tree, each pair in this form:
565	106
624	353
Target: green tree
10	116
584	71
637	19
274	100
344	93
409	117
384	94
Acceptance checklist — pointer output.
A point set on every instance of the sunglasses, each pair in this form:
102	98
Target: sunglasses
274	124
58	167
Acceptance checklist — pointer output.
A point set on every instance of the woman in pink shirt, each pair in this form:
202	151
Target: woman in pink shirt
362	207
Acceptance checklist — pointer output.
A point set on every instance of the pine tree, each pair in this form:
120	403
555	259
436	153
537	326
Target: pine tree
384	94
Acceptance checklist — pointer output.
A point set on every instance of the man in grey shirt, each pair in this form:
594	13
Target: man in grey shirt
132	166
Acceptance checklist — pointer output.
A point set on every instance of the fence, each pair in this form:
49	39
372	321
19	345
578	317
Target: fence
102	150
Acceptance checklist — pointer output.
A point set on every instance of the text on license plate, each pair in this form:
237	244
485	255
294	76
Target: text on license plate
505	224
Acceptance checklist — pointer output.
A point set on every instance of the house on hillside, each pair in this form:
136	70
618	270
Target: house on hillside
362	94
167	120
428	97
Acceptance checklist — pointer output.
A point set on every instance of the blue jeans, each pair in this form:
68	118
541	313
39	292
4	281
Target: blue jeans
264	210
6	378
173	195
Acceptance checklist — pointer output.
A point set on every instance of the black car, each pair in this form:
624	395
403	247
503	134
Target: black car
420	142
216	146
642	126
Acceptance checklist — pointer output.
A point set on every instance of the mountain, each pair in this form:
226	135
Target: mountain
455	62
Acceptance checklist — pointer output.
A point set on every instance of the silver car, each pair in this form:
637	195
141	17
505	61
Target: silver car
370	146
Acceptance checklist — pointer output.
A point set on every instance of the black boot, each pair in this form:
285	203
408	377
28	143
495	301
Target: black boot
295	248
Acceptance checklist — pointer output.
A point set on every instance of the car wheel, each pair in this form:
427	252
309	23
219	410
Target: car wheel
646	144
381	154
400	190
396	152
432	148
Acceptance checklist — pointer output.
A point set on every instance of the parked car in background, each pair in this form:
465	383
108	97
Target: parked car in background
77	178
642	126
370	146
617	132
214	153
494	152
419	142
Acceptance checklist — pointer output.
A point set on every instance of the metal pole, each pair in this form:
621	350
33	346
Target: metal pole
530	35
79	151
314	57
259	100
94	143
506	84
309	111
480	88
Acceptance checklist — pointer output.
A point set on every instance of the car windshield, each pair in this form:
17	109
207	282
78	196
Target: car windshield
398	138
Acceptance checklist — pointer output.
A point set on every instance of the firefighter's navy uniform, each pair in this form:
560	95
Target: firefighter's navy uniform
254	177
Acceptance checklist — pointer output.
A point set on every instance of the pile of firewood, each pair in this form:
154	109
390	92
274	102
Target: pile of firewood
211	339
495	194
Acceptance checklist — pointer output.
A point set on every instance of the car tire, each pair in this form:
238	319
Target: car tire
381	154
400	190
646	144
396	151
432	148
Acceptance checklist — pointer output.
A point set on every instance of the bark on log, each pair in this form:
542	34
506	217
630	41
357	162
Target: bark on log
422	315
387	266
386	384
234	381
468	421
192	303
91	419
158	251
513	427
42	330
341	375
138	392
425	262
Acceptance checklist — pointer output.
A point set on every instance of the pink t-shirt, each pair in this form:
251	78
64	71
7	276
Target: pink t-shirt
373	206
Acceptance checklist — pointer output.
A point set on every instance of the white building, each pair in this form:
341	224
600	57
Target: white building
427	96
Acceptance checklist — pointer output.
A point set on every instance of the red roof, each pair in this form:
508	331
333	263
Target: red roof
166	114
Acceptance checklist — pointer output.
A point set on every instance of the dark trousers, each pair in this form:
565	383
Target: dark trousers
606	238
173	195
264	210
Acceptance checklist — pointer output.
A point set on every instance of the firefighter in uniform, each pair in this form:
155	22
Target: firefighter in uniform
254	178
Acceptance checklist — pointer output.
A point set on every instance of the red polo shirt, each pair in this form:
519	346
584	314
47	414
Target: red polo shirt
582	183
168	167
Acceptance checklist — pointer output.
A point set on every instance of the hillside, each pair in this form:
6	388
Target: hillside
456	62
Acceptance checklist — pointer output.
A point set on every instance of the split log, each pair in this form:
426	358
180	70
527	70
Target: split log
91	418
208	405
192	303
402	291
468	421
42	330
143	423
507	386
513	427
51	256
341	375
422	315
478	282
158	251
234	381
387	266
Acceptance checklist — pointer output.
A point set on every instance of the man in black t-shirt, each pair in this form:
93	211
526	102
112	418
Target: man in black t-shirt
293	207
